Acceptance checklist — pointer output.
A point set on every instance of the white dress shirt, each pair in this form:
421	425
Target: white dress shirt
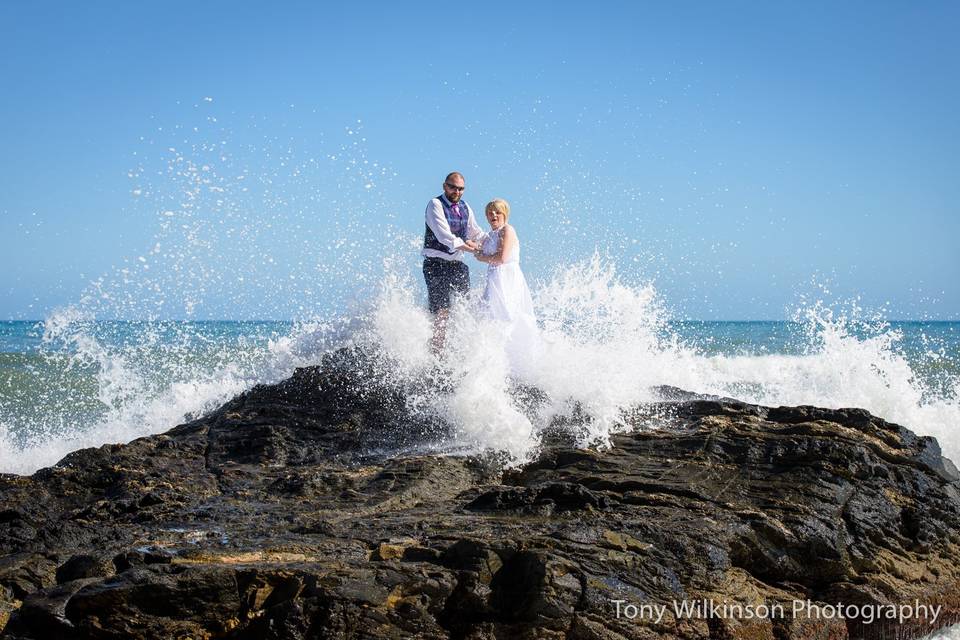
438	224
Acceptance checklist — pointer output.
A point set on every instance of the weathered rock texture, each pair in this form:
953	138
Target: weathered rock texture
271	518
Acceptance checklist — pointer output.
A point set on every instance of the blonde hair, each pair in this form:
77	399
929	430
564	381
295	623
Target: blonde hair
501	206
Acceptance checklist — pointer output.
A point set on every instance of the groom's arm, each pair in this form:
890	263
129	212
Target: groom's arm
438	224
474	232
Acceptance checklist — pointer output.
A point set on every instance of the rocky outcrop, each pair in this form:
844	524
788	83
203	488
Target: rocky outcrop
288	513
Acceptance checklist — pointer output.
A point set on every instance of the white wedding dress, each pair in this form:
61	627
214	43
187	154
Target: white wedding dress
506	299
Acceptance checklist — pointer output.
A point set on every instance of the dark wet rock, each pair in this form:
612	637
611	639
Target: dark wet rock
85	565
303	510
544	499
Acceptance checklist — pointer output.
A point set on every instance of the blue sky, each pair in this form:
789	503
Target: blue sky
738	155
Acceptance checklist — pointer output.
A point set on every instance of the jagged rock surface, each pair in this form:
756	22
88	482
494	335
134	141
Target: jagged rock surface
283	515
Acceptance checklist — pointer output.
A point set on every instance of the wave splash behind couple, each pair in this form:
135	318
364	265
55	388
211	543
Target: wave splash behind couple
451	232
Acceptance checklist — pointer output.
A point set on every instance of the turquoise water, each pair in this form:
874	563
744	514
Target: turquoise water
67	381
70	382
932	349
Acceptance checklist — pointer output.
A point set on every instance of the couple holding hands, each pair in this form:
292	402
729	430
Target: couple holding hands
452	231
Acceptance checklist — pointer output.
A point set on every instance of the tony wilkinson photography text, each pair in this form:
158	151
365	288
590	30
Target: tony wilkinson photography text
707	608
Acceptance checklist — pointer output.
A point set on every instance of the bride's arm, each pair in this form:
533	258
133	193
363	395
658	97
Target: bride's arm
508	238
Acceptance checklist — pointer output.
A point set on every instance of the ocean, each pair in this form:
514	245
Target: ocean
73	381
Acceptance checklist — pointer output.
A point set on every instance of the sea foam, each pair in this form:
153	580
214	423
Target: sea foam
607	346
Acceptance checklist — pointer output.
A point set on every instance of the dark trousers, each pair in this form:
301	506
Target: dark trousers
445	278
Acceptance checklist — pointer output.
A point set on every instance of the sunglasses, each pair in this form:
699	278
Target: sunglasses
453	188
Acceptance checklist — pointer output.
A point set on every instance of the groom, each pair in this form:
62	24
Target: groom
451	229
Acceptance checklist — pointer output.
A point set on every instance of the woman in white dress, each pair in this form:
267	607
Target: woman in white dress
507	298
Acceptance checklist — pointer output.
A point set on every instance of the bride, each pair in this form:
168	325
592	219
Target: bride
506	298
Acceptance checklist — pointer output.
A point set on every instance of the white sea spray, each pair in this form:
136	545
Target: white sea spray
607	347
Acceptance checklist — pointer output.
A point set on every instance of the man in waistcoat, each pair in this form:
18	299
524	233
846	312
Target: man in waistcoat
451	230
